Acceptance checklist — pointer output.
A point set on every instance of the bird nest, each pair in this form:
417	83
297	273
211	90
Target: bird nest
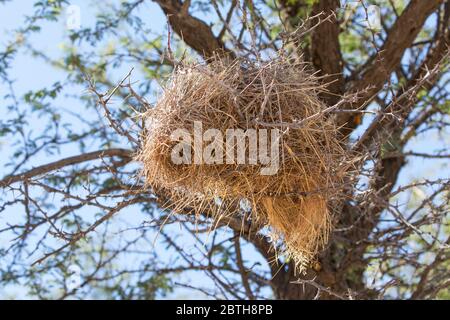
254	133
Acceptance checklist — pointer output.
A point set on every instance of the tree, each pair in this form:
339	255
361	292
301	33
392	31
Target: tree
70	195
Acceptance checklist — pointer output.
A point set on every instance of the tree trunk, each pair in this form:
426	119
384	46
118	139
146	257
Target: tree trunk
290	285
327	279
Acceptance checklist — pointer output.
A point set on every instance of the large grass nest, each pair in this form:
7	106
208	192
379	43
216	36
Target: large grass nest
276	94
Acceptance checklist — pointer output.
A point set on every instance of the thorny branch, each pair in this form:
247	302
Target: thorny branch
388	224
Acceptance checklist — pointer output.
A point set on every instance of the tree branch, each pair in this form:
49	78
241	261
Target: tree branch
242	271
325	49
195	32
123	153
378	68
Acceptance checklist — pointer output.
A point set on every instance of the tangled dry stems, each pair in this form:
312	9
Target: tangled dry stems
279	93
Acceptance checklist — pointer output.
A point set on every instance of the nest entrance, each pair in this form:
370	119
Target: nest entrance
278	96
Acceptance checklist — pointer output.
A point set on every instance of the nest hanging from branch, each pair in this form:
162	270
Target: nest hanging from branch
277	100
